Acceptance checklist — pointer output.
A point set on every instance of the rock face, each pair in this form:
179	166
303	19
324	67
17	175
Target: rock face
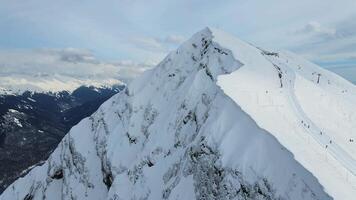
172	134
32	125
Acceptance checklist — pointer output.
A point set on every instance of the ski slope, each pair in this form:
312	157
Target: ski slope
323	138
265	88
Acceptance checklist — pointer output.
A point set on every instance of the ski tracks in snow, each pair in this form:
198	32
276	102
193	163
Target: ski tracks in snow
288	79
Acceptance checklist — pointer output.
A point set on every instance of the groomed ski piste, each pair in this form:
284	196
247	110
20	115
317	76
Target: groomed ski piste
323	138
331	163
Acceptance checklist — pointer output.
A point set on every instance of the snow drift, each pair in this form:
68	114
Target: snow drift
187	130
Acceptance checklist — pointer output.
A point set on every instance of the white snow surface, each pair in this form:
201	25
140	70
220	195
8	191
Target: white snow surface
17	121
211	121
314	119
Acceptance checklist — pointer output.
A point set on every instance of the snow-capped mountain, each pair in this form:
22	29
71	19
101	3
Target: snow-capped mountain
33	123
216	119
54	83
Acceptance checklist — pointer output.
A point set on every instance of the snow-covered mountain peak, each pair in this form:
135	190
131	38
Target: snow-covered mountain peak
213	120
201	47
200	56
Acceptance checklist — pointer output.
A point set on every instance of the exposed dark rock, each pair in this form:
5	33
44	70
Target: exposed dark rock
43	119
58	174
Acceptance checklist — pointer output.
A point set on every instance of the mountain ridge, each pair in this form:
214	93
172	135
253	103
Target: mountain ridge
205	146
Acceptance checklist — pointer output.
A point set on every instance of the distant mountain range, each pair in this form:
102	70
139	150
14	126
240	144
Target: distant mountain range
32	123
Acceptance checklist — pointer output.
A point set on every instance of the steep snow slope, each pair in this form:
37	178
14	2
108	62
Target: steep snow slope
173	134
309	110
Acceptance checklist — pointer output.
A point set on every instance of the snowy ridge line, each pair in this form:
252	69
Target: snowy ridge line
172	134
320	137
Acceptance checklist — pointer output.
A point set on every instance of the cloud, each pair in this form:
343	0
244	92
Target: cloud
316	29
329	44
77	63
346	71
135	30
148	43
158	44
173	39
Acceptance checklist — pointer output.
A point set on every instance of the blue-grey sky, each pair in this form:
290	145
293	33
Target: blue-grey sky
323	31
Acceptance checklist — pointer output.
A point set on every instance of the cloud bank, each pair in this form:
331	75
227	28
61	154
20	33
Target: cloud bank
71	62
61	69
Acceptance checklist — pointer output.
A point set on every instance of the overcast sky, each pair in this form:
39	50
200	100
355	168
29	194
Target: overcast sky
138	31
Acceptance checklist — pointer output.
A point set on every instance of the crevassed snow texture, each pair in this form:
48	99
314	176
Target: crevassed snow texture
309	110
173	134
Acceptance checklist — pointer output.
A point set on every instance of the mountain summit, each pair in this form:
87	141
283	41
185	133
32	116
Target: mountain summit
216	119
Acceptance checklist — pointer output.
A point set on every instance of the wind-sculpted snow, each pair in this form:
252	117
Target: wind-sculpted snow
173	134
